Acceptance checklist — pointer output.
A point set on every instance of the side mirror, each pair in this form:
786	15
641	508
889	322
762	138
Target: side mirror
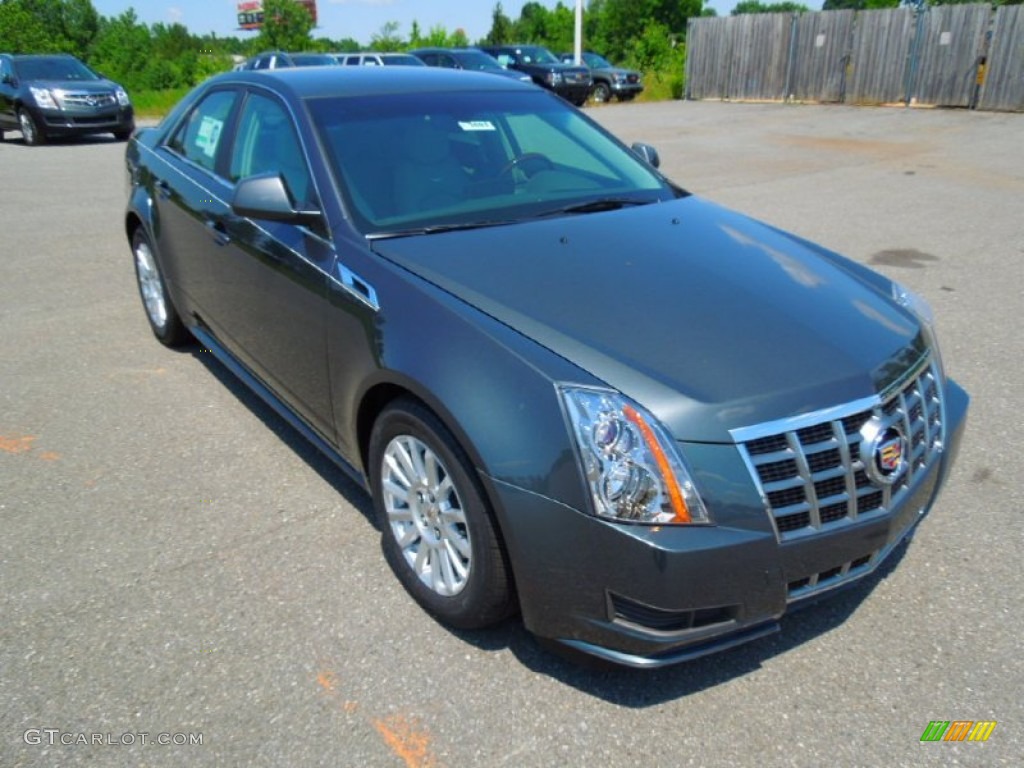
647	153
266	197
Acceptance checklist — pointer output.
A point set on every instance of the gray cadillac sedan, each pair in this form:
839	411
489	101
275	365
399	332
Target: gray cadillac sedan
648	424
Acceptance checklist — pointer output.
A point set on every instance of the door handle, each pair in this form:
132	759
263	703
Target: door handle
218	232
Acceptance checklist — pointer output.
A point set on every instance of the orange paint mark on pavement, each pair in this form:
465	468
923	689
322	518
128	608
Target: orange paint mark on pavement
407	739
327	680
49	455
19	444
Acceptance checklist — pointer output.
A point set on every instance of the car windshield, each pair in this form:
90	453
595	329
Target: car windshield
463	159
400	59
56	68
595	61
537	55
477	61
312	60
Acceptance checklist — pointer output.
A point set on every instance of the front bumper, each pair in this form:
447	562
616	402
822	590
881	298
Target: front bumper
647	597
627	89
80	122
573	92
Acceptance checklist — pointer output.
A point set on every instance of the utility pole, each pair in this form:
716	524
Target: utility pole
578	50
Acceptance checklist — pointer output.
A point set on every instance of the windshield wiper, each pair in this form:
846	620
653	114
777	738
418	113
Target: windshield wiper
596	206
435	229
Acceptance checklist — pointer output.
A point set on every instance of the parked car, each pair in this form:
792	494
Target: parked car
609	80
469	59
371	59
649	423
570	82
45	96
279	59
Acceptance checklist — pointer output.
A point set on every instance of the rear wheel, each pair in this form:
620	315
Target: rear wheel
163	317
29	129
438	532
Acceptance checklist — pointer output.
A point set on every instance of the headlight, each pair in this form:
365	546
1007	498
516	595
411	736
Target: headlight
922	310
43	98
632	468
122	97
553	78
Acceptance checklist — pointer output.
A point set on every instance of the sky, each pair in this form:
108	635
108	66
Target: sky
358	19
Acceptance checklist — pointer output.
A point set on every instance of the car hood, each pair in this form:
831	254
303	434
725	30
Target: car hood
711	320
79	86
618	71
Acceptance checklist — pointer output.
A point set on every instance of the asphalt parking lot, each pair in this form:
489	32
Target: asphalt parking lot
175	562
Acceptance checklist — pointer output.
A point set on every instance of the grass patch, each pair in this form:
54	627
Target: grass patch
663	85
156	104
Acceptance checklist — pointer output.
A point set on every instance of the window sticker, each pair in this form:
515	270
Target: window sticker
476	125
209	135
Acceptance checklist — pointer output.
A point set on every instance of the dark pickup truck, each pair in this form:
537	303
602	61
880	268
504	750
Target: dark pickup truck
570	82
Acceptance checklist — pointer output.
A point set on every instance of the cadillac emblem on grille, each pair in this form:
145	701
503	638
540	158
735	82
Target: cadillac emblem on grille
882	451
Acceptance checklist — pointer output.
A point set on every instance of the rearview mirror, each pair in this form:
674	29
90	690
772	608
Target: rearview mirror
647	153
266	197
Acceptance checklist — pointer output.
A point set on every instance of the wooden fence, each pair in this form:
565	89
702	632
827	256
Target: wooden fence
953	55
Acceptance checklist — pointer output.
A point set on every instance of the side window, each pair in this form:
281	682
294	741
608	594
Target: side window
352	61
5	70
200	135
266	142
448	62
430	59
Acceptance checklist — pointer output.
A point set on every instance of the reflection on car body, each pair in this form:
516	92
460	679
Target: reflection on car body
648	423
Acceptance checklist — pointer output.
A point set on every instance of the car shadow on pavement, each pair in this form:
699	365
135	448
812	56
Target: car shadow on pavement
624	686
333	475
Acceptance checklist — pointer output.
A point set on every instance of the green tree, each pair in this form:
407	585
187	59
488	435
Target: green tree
501	27
122	50
286	27
387	38
23	32
754	6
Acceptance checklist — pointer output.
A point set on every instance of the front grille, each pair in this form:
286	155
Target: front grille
87	100
834	576
810	472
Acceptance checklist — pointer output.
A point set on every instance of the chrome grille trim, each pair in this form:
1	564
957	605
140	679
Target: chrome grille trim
808	469
80	99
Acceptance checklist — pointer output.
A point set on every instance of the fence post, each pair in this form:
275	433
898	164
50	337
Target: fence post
909	81
794	30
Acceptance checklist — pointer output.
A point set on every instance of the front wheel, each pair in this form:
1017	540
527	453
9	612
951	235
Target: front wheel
29	129
163	317
438	532
601	92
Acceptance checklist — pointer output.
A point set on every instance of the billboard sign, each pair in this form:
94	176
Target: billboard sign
250	13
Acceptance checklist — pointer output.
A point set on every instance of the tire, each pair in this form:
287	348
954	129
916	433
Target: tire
626	96
437	530
122	135
601	93
160	311
30	129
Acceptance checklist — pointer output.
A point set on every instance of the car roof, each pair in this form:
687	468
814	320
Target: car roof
24	56
317	82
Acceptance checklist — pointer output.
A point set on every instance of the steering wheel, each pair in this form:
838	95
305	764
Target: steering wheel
530	163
